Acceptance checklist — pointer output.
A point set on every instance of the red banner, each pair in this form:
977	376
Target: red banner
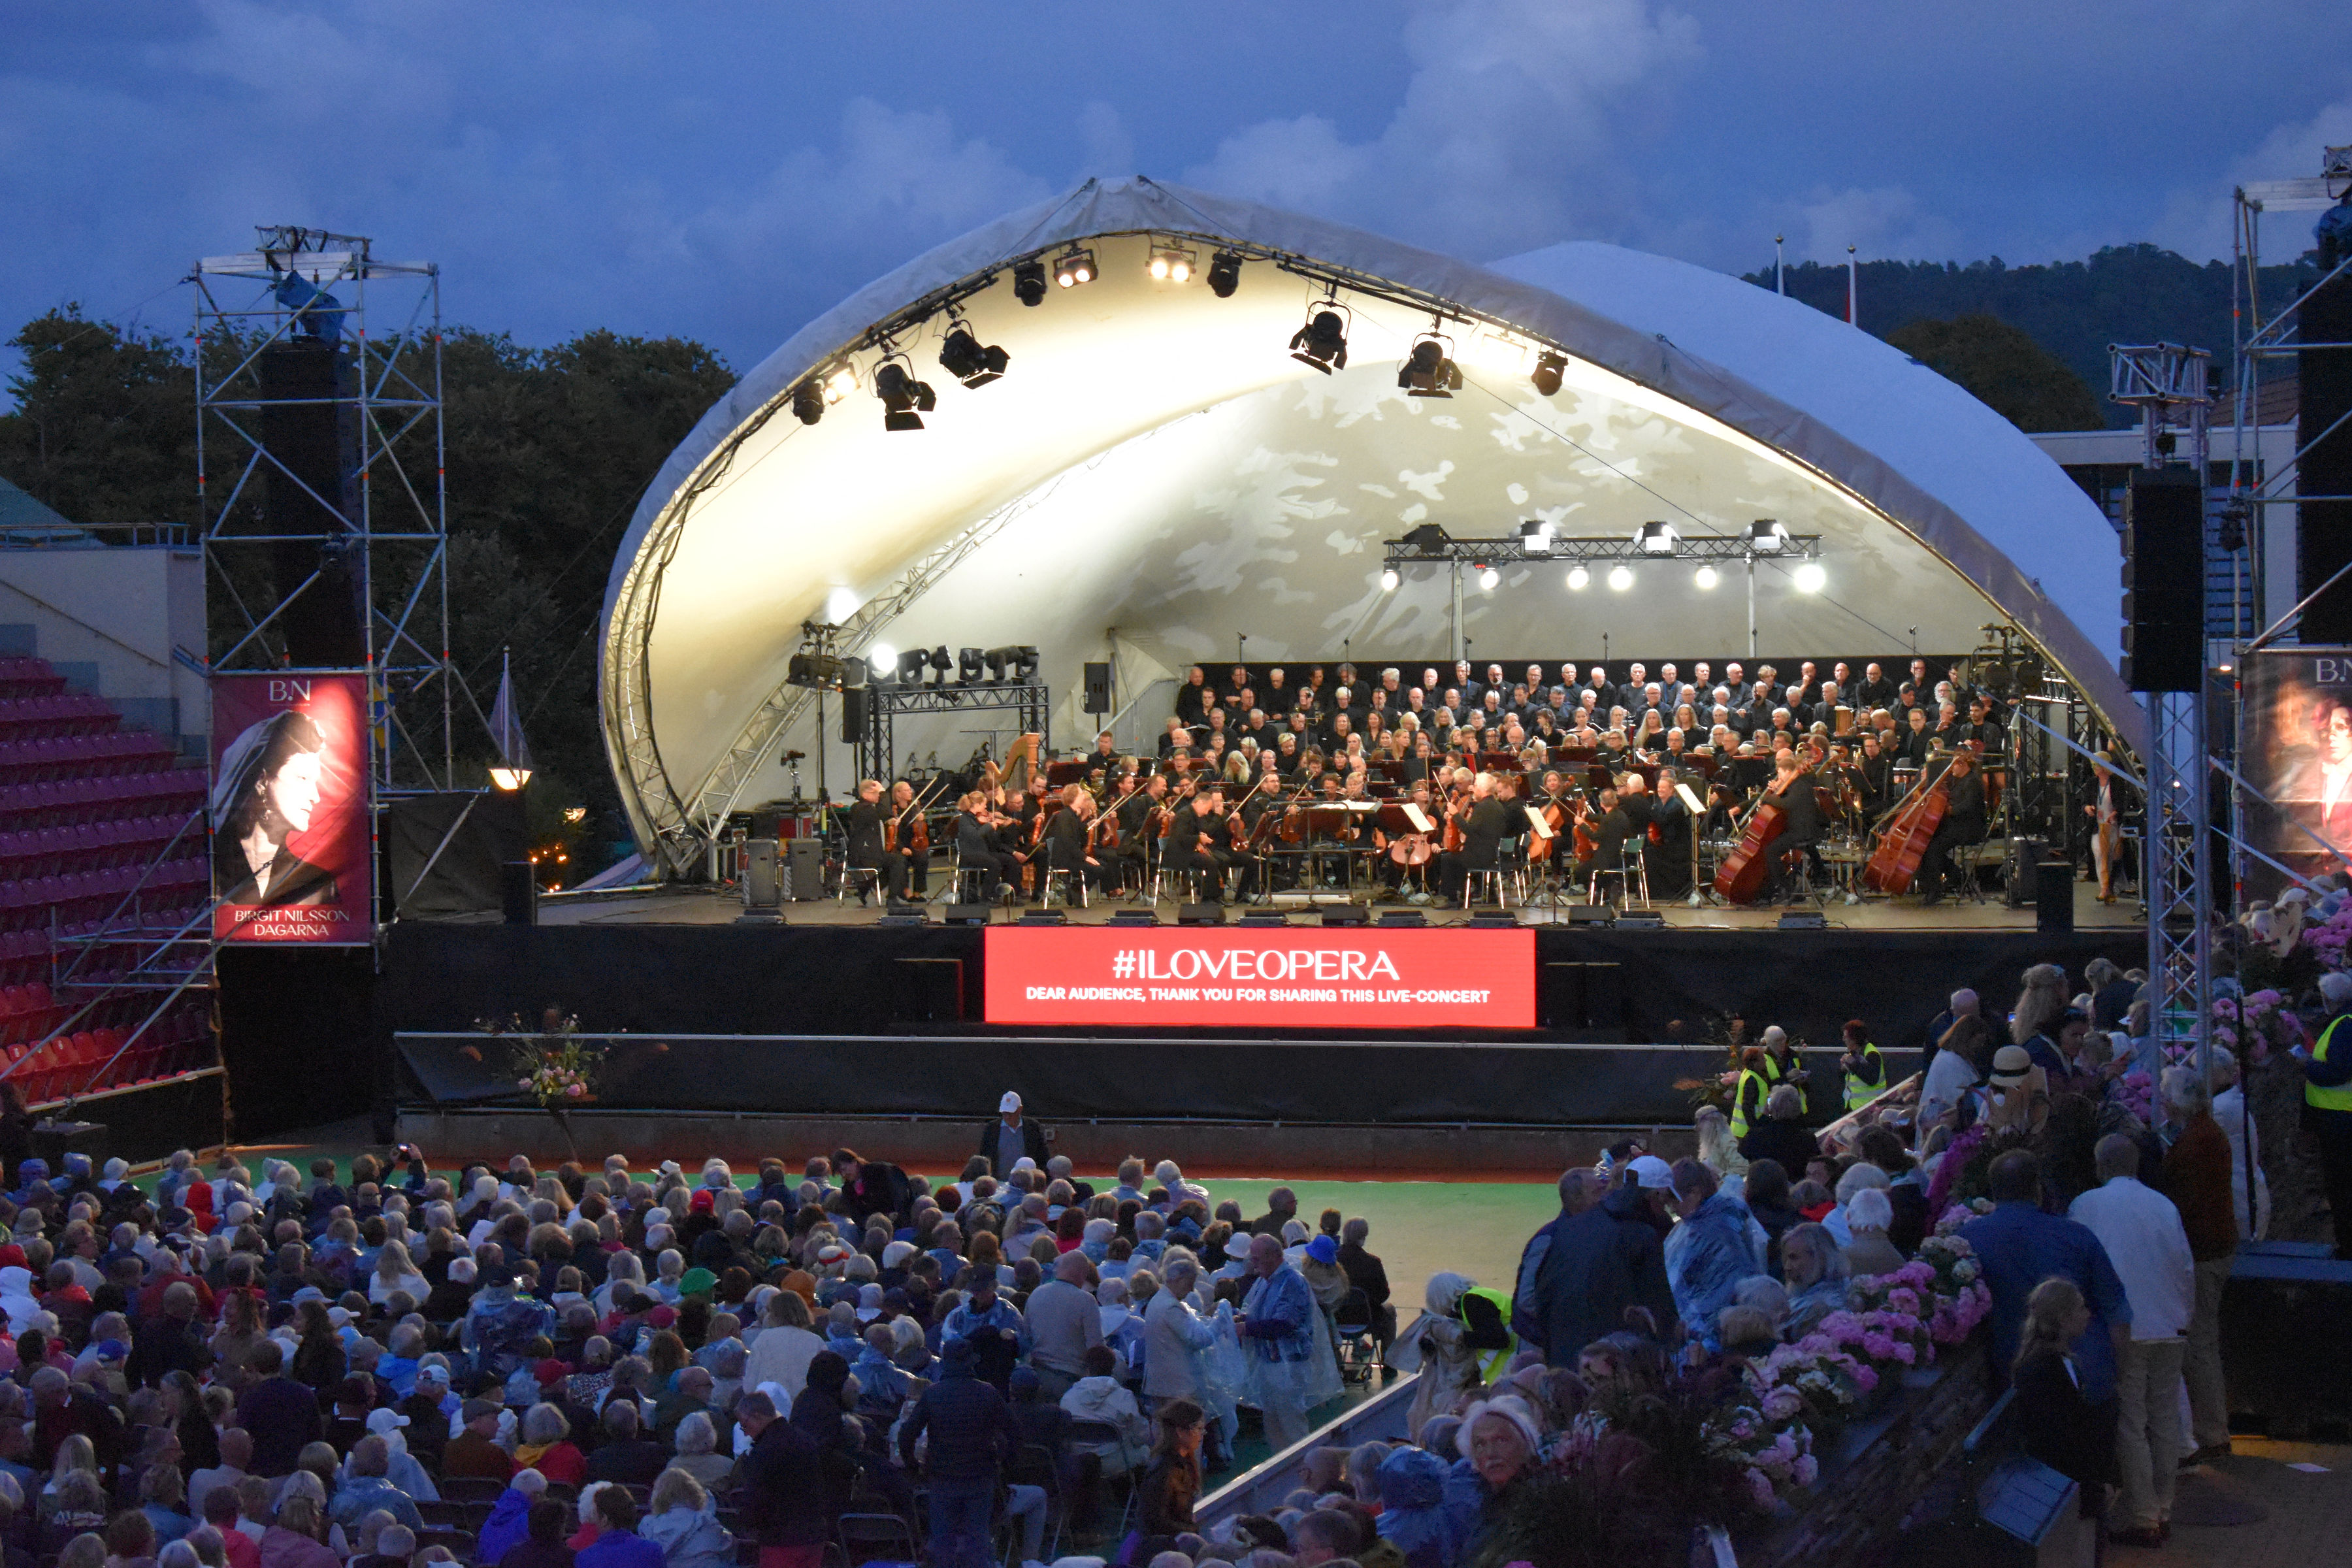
290	859
1365	977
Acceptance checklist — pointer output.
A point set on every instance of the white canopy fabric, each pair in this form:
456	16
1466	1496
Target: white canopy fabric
1154	461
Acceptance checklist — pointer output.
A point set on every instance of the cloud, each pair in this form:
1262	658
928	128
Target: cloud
1513	130
2196	220
1882	224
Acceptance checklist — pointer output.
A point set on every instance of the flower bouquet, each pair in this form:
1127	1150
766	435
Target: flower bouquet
1961	1297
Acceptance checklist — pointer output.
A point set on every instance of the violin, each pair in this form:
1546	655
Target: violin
1586	842
1456	801
918	833
1540	848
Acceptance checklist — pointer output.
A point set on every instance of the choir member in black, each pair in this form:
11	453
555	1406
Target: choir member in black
976	848
1918	740
907	867
1667	856
1068	844
1793	793
864	818
1486	822
1193	698
1964	823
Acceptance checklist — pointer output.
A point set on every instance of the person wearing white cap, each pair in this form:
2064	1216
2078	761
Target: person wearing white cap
1012	1137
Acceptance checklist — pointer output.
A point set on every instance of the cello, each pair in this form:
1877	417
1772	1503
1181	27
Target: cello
1740	877
1903	844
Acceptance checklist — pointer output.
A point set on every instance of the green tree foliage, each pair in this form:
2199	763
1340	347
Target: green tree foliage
2006	370
2124	294
548	453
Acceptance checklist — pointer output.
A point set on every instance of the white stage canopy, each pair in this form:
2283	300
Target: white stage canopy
1156	474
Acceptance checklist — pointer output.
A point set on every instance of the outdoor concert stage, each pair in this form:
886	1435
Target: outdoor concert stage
832	1015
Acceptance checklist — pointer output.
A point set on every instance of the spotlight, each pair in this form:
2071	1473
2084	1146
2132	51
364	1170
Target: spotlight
1656	539
881	659
1024	663
941	664
1029	281
1074	267
1810	578
911	665
1426	539
808	402
1389	579
998	658
969	661
1224	274
1620	578
1428	372
1579	578
840	381
1170	264
1706	577
1535	538
963	357
1487	576
1547	374
1322	342
904	399
1767	537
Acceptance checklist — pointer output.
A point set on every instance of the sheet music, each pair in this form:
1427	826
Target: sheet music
1535	820
1419	818
1683	792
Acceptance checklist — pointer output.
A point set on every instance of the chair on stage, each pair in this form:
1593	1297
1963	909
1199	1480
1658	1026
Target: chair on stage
1508	874
865	880
1630	876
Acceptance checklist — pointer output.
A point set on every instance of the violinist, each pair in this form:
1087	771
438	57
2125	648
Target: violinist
907	842
865	852
1408	851
1793	793
1666	857
976	849
1964	823
1484	822
1068	842
1611	826
1197	841
1874	777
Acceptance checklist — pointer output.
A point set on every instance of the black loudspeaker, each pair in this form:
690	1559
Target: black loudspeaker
853	714
2053	898
2324	534
804	869
1097	682
312	439
2164	580
519	889
763	886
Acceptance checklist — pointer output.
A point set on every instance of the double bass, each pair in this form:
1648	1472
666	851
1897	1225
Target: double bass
1740	878
1903	844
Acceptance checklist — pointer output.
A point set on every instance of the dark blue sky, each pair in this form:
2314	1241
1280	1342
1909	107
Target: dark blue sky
726	170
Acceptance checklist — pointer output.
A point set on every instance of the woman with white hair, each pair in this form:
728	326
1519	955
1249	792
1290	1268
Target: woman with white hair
698	1451
684	1522
1500	1437
1868	1213
1436	1345
1814	1271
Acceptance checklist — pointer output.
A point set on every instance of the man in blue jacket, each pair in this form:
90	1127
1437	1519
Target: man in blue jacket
2020	1247
971	1433
1710	1252
1581	1272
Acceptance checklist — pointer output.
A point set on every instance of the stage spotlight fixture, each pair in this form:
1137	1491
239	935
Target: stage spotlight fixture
941	664
1389	579
964	357
1172	264
1620	578
840	380
881	661
1767	537
970	662
1429	370
1024	663
1546	375
808	402
1428	539
1705	577
1029	281
997	658
1579	578
1810	578
1656	539
905	400
1322	342
1224	274
1074	267
911	665
1488	578
1535	538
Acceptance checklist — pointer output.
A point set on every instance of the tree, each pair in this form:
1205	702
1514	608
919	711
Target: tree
2004	369
104	426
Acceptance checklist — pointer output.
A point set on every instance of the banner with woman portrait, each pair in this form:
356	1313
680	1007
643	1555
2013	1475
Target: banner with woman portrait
2296	749
289	809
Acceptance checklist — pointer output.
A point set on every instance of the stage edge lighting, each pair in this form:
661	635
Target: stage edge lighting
1767	537
1170	264
1810	578
1620	578
1705	577
808	402
1488	578
1428	370
1535	538
1389	579
1579	579
1656	539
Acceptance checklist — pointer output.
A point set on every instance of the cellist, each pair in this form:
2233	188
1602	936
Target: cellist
1793	793
1964	823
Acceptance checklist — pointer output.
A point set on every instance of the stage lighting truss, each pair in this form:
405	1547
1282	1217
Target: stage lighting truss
1322	343
1074	267
1428	370
1430	545
905	400
963	356
1172	263
1015	664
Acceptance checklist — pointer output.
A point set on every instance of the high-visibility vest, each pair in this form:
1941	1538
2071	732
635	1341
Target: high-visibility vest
1775	1074
2319	1098
1761	1077
1492	1363
1858	1093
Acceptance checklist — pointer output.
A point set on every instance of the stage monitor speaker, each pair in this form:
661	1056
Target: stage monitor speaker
2164	580
2324	531
1345	915
1263	918
1641	920
1097	688
1200	915
969	914
804	869
853	716
1588	914
1803	920
763	885
1044	918
519	889
1403	918
1135	917
2053	898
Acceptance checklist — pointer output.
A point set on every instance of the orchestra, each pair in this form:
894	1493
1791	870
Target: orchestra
1396	784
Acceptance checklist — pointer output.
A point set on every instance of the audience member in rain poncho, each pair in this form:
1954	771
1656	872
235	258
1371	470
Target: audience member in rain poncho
1413	1517
401	1467
1710	1252
683	1520
1436	1344
1815	1271
1278	1326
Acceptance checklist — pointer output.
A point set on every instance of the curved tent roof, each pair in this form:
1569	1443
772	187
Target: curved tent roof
1155	473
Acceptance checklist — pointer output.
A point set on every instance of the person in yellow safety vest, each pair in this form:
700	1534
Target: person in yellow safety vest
2328	1103
1748	1094
1487	1327
1782	1058
1864	1068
